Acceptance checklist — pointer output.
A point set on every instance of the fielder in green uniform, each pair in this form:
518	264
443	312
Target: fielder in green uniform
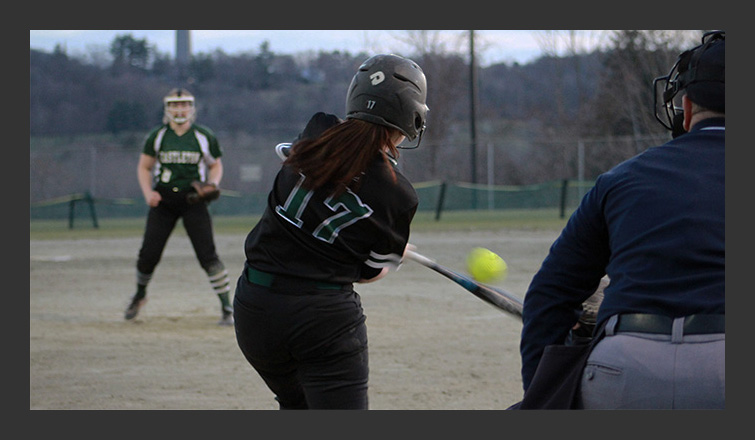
175	154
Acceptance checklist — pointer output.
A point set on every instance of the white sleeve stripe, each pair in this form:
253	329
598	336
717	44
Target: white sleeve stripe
207	159
375	256
379	261
204	145
157	144
159	139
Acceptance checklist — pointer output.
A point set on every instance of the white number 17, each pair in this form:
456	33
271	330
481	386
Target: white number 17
348	209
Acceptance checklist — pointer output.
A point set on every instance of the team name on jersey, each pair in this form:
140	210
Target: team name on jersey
180	157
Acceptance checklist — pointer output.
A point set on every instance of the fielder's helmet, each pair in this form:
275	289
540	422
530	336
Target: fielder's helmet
701	72
389	90
178	95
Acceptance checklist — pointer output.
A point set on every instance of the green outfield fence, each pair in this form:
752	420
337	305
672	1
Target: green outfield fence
443	196
434	196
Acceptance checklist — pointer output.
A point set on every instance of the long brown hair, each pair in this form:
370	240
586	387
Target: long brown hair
342	153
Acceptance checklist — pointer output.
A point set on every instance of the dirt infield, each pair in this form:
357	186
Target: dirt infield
433	346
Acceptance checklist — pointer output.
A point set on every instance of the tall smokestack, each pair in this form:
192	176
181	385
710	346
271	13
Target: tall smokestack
183	47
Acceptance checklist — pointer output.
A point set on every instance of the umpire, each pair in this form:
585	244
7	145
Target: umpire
175	155
655	225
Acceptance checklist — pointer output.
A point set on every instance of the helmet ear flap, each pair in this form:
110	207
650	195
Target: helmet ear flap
419	123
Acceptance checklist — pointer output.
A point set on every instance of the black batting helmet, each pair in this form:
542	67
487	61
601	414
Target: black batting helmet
389	90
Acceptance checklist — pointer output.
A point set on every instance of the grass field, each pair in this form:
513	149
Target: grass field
424	221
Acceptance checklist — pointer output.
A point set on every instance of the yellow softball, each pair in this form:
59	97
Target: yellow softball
485	265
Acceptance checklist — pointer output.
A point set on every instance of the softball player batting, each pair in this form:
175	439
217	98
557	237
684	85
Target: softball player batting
176	154
339	212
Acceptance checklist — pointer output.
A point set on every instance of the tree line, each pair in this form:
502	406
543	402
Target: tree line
530	108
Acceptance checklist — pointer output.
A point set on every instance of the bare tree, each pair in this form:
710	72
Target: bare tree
635	58
440	55
618	121
566	48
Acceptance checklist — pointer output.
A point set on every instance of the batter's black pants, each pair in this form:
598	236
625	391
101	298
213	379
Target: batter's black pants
309	345
162	219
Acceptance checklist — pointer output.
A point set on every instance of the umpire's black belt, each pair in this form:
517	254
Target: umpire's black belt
287	282
658	324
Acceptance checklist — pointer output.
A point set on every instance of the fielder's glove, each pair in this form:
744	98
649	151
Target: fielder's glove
203	192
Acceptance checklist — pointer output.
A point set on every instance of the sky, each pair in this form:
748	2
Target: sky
492	46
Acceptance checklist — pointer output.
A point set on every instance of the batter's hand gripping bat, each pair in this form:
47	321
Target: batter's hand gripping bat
501	299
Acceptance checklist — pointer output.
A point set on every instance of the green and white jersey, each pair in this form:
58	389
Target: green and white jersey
181	159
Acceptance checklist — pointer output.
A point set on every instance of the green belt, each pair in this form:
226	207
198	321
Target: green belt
270	280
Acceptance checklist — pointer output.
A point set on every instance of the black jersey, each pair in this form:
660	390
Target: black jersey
311	234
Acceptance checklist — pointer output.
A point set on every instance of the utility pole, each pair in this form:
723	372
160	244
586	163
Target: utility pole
472	114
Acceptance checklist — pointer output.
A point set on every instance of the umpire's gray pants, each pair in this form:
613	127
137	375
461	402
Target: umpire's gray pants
651	371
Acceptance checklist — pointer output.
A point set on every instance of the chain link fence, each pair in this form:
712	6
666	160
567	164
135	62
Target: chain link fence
64	180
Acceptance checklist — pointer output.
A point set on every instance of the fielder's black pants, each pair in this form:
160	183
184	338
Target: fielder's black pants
309	345
162	219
